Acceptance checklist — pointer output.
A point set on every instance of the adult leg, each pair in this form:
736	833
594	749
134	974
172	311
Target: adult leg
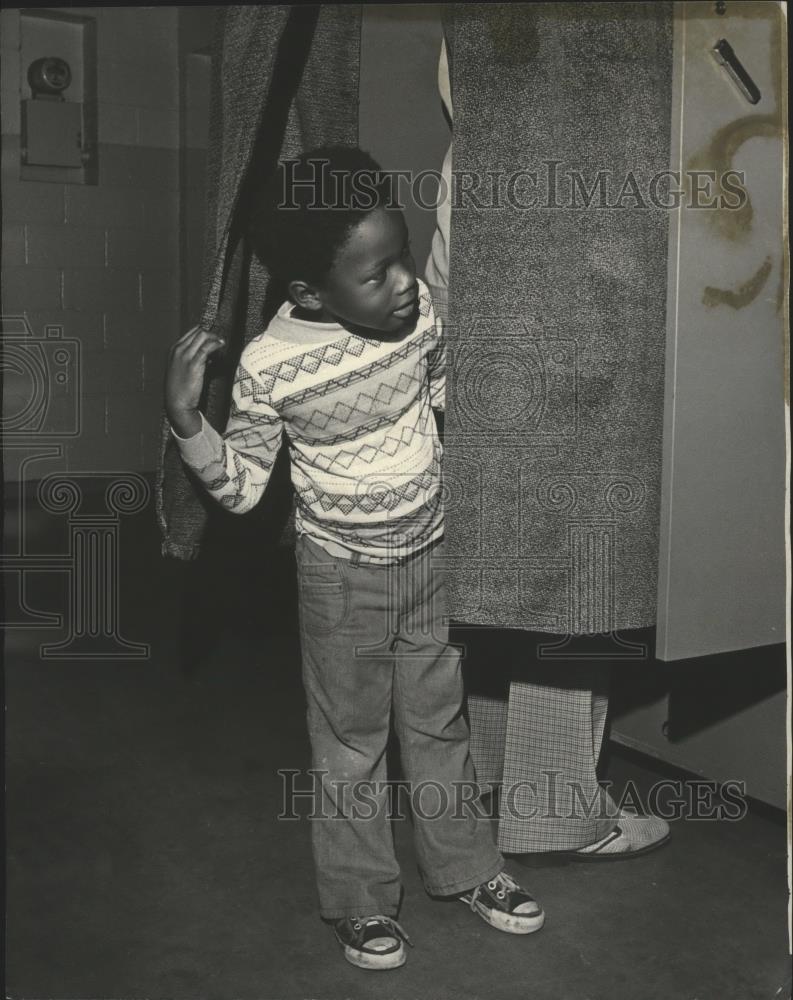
488	717
537	728
551	799
545	739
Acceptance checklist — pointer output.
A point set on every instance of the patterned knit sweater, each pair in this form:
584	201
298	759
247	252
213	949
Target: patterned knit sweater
357	414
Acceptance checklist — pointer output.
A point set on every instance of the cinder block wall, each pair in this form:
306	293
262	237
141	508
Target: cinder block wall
102	261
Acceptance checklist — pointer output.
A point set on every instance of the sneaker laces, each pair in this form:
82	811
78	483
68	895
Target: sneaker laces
503	882
389	922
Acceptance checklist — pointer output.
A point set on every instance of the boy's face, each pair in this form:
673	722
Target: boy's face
372	284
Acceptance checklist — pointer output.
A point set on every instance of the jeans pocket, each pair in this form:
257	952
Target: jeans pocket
324	597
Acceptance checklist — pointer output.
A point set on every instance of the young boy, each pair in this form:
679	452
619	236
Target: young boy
349	370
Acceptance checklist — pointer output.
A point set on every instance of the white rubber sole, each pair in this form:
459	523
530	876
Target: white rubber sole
604	855
517	924
366	960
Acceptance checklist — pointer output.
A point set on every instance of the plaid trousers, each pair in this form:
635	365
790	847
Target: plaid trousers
537	730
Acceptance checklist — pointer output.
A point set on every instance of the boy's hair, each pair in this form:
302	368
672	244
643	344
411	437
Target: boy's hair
304	214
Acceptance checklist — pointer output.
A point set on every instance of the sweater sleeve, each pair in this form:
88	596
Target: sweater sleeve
235	467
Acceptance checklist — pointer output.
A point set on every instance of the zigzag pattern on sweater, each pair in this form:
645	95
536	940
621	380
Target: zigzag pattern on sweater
365	458
252	416
367	453
217	482
250	388
311	362
357	375
362	430
364	403
248	440
371	500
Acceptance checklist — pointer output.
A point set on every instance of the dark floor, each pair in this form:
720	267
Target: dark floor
145	858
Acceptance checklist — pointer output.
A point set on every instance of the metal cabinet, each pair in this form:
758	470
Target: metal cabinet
722	556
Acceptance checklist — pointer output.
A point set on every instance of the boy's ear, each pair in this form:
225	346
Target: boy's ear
305	295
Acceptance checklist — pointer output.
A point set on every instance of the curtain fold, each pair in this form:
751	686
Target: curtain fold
284	78
556	315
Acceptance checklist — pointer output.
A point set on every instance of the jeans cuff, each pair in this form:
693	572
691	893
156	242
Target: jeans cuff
466	883
367	909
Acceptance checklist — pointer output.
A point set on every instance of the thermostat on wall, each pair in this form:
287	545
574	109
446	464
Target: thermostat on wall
57	96
52	133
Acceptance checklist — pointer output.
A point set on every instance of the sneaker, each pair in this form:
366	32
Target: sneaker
503	904
372	942
631	837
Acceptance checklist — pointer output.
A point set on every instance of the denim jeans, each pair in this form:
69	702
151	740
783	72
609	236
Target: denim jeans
374	644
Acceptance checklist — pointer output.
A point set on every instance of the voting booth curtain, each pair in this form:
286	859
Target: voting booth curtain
556	326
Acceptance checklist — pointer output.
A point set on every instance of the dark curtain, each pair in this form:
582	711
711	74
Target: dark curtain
285	78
